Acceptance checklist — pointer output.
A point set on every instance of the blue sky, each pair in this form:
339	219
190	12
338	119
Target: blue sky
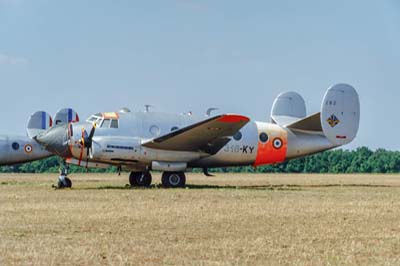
182	55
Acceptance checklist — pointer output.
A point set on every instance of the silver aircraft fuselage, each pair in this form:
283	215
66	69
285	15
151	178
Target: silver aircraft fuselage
122	144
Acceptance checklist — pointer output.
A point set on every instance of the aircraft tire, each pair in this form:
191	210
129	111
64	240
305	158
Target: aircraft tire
140	179
144	179
133	179
60	184
173	179
68	182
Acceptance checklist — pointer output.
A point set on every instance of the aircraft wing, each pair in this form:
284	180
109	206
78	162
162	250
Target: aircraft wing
207	136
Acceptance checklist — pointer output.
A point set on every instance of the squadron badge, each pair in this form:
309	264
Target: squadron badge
333	121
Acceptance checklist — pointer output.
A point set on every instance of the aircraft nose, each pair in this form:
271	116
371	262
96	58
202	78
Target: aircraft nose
55	140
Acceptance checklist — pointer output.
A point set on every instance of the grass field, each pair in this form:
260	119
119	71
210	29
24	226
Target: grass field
231	219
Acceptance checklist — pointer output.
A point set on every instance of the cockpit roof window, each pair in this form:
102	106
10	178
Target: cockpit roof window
106	120
95	119
92	118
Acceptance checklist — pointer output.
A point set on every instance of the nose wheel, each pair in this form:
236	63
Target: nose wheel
173	179
63	180
140	179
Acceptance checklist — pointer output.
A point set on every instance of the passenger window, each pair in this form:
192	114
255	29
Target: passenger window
237	136
114	123
263	137
106	123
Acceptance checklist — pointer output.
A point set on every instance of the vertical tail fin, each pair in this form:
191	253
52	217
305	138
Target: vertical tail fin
288	107
38	122
340	115
65	116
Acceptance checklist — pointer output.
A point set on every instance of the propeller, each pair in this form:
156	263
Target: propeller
86	142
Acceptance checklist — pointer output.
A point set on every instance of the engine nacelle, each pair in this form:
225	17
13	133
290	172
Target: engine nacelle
116	149
129	150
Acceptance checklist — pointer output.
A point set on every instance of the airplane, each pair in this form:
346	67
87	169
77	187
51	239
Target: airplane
141	142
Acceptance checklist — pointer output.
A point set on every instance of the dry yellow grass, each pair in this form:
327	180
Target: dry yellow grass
225	220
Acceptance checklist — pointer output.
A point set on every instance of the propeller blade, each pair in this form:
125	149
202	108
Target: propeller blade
87	159
82	142
92	132
81	155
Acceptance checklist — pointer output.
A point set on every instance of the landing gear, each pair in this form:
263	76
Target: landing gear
63	180
173	179
140	179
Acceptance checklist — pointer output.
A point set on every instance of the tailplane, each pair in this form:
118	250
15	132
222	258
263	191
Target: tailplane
339	118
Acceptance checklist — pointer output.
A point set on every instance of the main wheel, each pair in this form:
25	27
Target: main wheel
133	179
64	183
140	179
173	179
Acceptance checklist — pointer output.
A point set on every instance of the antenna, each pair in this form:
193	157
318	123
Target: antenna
125	110
147	107
209	110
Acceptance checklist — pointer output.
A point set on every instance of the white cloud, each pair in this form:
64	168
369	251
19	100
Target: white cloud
12	60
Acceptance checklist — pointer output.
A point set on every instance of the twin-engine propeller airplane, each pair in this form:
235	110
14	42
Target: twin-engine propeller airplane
143	141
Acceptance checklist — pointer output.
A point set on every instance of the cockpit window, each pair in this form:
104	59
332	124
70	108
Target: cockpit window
92	118
97	118
114	123
110	123
106	123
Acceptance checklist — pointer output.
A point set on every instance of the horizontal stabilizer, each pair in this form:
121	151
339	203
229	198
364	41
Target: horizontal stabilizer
65	116
311	123
288	107
207	136
38	123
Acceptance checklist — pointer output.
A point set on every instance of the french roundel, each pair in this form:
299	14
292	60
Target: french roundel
28	148
277	143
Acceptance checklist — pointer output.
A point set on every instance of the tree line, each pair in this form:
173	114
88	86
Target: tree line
361	160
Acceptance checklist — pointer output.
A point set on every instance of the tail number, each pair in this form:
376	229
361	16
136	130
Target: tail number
239	149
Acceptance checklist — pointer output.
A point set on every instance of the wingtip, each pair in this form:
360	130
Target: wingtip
233	118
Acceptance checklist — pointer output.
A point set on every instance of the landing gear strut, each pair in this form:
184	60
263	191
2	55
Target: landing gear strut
140	179
173	179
